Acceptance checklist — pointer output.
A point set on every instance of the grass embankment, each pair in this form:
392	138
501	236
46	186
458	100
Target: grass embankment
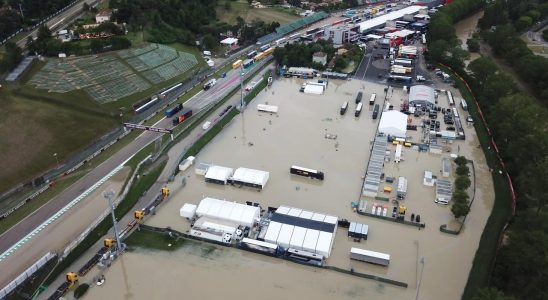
485	255
139	187
154	240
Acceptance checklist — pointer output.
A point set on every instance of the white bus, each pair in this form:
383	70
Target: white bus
423	38
463	104
372	99
450	98
358	109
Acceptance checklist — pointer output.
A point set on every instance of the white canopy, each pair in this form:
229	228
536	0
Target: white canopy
422	94
251	177
378	21
393	123
228	211
188	211
218	174
314	89
229	41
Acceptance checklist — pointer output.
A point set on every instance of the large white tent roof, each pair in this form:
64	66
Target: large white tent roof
218	173
313	89
251	176
372	23
393	123
422	93
228	211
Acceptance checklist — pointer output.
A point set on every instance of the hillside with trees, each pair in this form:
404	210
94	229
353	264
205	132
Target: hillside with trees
519	127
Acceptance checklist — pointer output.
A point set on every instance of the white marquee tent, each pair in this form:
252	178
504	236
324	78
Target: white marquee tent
393	123
228	211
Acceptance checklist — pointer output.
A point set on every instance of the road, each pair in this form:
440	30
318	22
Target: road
59	21
20	230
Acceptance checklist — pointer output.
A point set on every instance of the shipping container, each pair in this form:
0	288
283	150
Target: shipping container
182	118
172	111
358	109
401	192
370	256
344	107
304	256
376	111
372	99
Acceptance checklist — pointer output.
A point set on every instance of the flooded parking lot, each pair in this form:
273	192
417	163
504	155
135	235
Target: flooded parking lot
298	135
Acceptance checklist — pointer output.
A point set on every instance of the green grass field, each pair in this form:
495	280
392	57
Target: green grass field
241	8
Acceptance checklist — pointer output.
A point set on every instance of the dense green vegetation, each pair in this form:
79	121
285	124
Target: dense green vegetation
300	55
32	11
501	25
461	203
518	125
11	57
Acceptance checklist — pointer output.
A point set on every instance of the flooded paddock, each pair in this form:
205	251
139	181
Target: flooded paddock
297	136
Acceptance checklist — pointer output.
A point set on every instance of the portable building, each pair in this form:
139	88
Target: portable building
314	89
295	212
218	174
188	211
398	153
250	177
222	210
267	108
401	192
422	95
446	167
428	179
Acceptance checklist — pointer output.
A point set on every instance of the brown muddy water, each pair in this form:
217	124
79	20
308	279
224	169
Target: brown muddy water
465	29
296	135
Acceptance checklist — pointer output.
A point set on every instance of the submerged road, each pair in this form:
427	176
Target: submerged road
25	259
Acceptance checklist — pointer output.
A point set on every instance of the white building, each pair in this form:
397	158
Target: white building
368	25
231	212
230	42
103	16
250	177
302	230
422	95
218	174
393	123
342	34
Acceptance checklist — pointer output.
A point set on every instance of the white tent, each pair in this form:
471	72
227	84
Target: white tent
422	95
228	211
229	41
393	123
250	177
188	211
314	89
218	174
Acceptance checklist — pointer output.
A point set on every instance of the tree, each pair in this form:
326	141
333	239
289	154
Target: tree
462	183
85	7
460	209
523	22
482	68
463	170
461	160
490	293
209	42
11	58
460	196
296	3
228	5
473	45
437	50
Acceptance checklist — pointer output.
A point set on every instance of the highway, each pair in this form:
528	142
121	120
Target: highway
59	21
18	261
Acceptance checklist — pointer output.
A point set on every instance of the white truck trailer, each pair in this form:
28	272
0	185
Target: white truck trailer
370	256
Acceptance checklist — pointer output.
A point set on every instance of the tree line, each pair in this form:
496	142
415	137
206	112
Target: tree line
519	126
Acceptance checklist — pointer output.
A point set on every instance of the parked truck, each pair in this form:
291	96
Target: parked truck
370	256
170	112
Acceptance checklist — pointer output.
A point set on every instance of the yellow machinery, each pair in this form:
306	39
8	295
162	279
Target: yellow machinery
402	210
165	191
72	278
109	243
139	214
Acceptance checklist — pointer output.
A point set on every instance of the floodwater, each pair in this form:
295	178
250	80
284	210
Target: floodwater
464	30
297	136
59	234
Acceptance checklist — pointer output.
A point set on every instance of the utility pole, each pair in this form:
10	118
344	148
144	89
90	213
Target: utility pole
119	245
56	159
242	105
420	279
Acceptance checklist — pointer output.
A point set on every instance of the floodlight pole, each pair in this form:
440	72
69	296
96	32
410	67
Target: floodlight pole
242	105
119	245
